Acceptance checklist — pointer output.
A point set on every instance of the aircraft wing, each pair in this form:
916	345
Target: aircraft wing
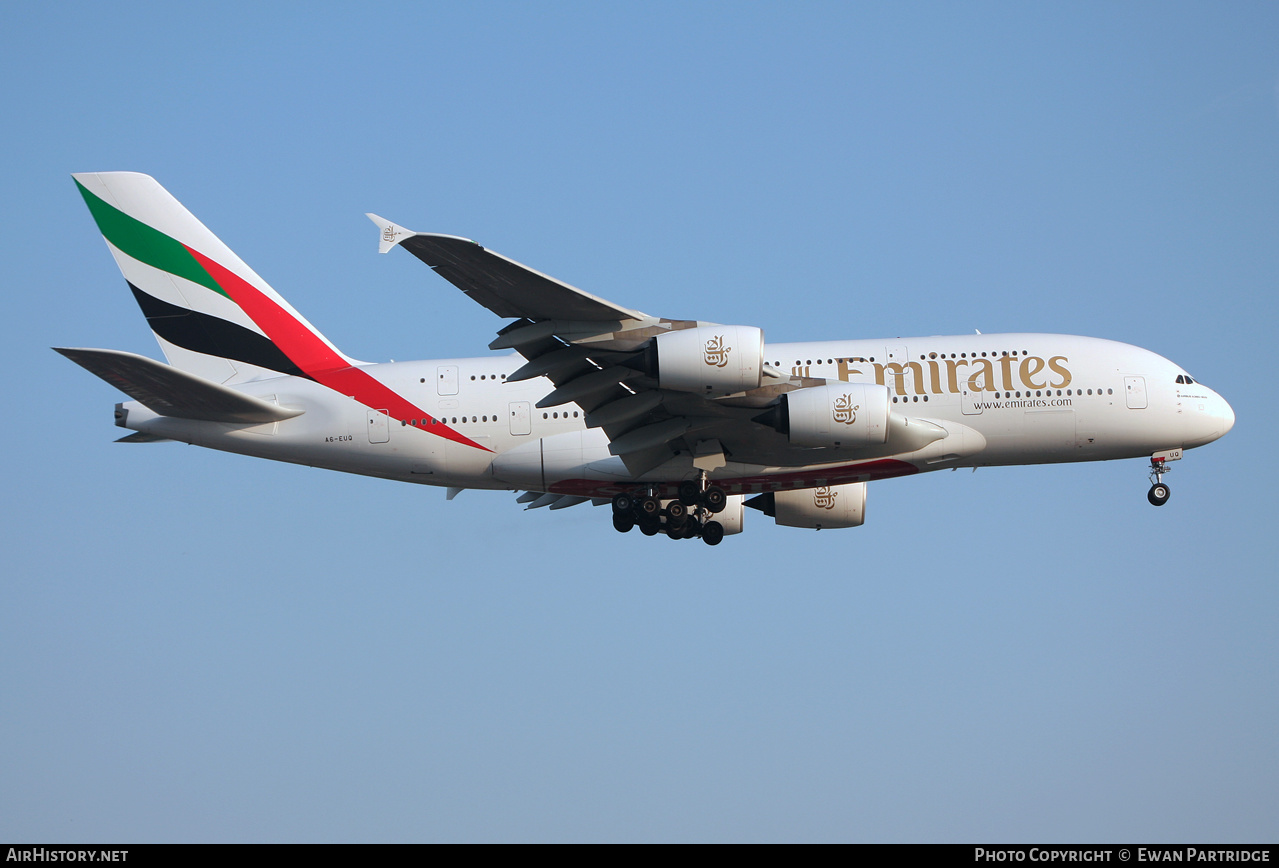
503	285
599	356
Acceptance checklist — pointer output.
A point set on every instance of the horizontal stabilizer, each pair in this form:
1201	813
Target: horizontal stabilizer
172	392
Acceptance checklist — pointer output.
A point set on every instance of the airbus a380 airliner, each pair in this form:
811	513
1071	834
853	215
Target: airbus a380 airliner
677	424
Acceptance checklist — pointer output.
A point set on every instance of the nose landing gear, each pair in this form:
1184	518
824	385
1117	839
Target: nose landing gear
1159	493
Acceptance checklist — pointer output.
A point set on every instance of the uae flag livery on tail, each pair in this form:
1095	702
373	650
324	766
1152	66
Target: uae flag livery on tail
212	315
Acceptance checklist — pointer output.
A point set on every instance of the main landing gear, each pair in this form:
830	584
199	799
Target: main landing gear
1159	493
686	517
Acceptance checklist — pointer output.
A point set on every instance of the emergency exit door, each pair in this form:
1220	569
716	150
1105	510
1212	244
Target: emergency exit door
1135	390
379	429
521	416
446	380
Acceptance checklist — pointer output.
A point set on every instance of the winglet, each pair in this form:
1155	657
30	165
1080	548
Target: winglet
391	234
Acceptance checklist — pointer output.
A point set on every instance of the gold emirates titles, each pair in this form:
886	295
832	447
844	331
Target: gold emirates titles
1001	374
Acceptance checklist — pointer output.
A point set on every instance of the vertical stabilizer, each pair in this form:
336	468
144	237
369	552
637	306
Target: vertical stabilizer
211	313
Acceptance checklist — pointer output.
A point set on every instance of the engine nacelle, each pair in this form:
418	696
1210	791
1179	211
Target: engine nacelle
846	415
711	360
830	506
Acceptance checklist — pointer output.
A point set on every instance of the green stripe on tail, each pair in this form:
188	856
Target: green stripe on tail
146	244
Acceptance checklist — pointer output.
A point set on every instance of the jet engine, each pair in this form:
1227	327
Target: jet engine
711	360
842	415
829	506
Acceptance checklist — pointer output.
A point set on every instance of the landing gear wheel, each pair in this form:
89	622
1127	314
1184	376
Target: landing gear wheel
650	526
715	499
676	531
676	513
712	533
623	522
1158	494
650	506
689	491
622	504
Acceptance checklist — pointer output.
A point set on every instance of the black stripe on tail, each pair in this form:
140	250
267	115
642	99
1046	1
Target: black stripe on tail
211	335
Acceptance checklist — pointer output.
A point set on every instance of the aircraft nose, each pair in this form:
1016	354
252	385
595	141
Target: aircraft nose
1212	420
1227	416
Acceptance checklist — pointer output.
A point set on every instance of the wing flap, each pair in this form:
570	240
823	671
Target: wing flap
172	392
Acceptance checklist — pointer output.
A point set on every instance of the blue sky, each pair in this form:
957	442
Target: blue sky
205	647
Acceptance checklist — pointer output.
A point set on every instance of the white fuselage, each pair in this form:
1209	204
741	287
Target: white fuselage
1002	399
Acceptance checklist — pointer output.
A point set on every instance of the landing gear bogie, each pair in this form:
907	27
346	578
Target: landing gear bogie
688	516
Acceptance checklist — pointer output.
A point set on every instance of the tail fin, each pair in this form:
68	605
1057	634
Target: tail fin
212	315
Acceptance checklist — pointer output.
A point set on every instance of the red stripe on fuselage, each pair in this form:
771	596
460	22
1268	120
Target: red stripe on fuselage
316	358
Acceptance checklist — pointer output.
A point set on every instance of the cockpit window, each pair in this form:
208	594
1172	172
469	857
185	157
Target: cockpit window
1185	379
